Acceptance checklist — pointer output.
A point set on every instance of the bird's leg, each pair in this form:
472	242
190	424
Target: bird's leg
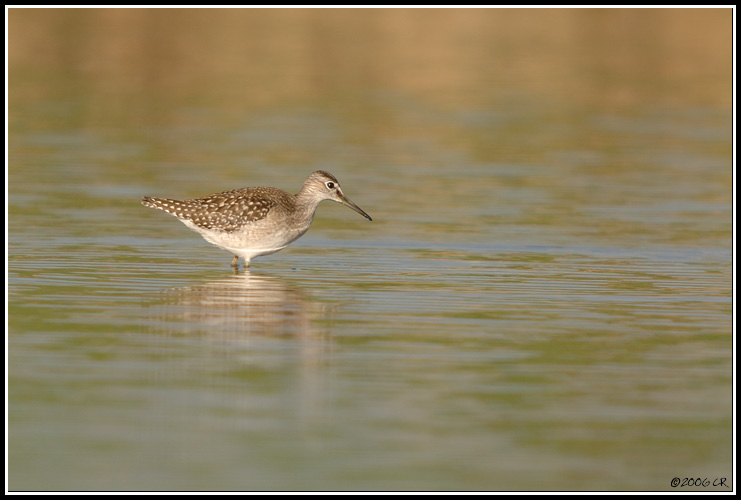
234	261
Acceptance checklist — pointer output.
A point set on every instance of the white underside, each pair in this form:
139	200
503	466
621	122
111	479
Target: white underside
239	244
250	253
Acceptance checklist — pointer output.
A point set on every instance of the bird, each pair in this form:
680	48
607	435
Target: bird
255	221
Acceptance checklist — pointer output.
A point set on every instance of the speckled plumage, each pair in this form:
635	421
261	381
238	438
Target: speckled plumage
255	221
228	211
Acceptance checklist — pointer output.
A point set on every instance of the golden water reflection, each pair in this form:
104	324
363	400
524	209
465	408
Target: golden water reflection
251	58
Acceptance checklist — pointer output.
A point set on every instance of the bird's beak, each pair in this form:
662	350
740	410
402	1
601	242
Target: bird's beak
345	201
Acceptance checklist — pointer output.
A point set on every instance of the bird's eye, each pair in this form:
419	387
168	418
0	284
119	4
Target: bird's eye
330	185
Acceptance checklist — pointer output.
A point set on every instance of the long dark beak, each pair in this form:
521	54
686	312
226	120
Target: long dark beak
345	201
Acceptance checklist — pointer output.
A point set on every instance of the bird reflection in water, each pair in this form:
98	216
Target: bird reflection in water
238	306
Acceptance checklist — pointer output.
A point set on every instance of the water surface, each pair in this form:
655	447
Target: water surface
543	300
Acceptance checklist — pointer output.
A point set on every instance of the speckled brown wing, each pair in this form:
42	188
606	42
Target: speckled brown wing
227	211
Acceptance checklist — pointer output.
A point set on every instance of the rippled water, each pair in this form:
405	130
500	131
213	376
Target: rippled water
543	300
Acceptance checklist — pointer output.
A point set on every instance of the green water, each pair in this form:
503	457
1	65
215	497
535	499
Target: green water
543	300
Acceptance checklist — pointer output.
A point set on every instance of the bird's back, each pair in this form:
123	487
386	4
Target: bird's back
227	211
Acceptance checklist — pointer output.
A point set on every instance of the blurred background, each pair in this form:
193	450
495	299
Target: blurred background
543	300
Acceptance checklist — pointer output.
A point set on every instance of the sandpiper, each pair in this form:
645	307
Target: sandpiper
255	221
